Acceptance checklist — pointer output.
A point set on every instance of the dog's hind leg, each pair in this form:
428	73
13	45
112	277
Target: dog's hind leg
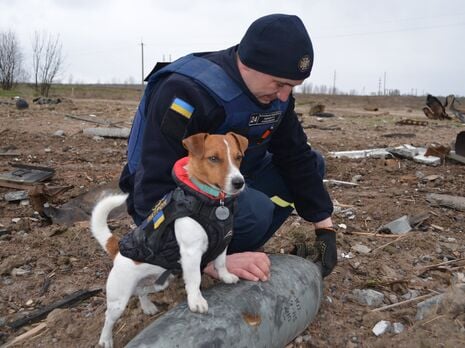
148	307
146	287
223	273
193	242
119	292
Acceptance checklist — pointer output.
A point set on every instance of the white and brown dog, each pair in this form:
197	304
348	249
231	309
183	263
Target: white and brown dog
213	161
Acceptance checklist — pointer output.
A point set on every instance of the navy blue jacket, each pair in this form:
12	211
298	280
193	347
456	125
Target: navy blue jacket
162	146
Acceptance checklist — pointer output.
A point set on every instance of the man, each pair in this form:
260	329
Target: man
246	89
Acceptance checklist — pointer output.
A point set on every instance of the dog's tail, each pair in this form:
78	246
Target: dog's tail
99	226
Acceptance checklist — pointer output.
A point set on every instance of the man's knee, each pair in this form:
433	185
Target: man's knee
252	220
320	164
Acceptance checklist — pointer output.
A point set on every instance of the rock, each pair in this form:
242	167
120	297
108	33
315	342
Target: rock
397	328
453	301
381	327
356	178
57	316
369	297
11	262
410	294
393	298
361	249
306	338
15	196
428	307
19	272
59	133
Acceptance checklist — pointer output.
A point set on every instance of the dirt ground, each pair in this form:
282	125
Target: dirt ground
41	263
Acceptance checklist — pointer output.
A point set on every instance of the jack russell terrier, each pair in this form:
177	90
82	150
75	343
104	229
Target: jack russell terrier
188	228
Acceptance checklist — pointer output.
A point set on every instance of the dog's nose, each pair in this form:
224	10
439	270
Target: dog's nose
237	183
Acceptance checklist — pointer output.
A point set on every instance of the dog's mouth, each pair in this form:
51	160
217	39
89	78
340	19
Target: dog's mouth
232	191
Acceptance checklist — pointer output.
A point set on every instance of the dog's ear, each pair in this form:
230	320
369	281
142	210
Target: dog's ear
195	144
241	141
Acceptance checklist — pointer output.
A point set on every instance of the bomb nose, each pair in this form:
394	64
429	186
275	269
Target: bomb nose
237	183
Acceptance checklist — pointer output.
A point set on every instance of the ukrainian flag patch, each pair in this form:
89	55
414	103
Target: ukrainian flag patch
181	107
158	219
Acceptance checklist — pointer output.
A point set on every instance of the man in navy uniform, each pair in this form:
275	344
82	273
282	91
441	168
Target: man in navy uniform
246	89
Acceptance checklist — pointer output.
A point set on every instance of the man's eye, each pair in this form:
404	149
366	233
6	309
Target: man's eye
213	159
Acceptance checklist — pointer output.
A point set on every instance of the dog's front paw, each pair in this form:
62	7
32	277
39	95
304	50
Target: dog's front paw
149	308
197	304
105	343
229	278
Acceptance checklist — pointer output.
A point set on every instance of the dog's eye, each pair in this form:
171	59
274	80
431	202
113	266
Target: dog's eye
239	157
213	159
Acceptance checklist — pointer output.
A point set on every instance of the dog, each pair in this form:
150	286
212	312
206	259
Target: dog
213	163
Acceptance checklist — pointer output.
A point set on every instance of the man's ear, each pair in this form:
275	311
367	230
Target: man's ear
195	144
241	141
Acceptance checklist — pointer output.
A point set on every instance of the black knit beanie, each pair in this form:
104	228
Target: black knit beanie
278	45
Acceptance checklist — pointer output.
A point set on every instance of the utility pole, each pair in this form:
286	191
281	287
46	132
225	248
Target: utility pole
143	75
384	83
334	82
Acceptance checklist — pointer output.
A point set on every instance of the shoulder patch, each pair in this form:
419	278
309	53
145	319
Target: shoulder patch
181	107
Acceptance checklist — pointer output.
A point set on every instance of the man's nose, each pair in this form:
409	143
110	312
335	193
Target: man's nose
283	93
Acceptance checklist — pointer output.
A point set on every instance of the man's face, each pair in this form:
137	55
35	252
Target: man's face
266	88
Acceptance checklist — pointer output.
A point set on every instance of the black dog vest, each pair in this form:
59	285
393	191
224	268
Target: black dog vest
154	241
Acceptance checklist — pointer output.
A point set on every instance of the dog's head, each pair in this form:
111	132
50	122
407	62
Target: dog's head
215	159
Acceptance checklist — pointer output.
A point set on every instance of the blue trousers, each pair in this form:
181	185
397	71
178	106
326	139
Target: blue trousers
257	218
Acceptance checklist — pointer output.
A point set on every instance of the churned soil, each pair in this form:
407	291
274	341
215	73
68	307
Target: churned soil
43	262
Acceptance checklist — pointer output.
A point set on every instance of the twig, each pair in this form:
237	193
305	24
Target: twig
371	234
402	303
435	318
453	269
385	245
427	268
27	334
104	122
121	328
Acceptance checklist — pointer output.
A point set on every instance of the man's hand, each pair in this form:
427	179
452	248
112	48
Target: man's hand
326	246
247	265
322	251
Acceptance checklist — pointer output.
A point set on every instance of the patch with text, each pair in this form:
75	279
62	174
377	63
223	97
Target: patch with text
259	119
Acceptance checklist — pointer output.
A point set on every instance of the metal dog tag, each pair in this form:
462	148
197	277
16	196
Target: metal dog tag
222	213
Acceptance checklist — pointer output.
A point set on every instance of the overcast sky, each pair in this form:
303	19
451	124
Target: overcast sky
418	44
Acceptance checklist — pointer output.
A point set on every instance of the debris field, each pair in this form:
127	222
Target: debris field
400	278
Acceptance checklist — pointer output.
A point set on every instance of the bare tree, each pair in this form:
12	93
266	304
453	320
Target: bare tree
47	60
37	47
10	60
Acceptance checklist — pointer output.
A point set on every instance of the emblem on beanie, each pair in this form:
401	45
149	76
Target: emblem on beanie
304	63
